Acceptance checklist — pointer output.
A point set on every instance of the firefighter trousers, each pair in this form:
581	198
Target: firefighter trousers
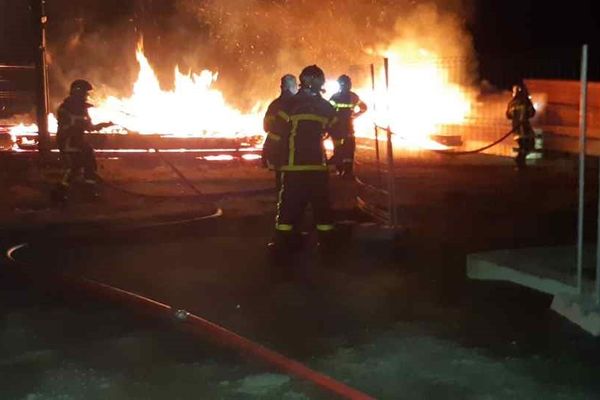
298	190
525	139
343	155
76	160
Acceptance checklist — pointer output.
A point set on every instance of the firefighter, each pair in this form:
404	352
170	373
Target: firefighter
271	154
302	123
520	109
346	102
75	152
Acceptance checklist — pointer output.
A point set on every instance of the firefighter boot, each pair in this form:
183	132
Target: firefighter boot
328	242
59	194
287	242
91	191
348	170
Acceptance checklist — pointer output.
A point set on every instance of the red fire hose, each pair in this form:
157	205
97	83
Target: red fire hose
479	150
467	152
202	327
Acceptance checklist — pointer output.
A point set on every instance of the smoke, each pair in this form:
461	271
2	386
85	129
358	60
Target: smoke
257	41
251	43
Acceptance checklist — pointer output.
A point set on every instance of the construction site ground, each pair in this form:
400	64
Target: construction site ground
393	319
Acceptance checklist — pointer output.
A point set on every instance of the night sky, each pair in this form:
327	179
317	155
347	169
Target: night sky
512	37
535	38
505	26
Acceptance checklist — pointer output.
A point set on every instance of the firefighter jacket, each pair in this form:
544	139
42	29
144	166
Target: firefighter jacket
345	104
73	121
271	154
520	109
301	126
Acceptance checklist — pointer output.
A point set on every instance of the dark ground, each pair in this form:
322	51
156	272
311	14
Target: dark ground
396	321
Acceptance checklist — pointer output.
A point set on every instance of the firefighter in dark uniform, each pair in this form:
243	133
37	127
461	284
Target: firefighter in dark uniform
75	152
346	103
302	124
270	153
520	109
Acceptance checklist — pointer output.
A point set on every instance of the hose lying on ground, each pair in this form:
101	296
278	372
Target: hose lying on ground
195	325
466	152
479	150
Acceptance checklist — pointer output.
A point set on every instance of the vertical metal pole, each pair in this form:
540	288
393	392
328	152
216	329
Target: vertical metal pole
390	152
598	246
38	11
582	151
377	152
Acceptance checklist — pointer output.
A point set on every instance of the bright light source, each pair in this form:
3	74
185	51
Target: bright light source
251	157
220	157
331	87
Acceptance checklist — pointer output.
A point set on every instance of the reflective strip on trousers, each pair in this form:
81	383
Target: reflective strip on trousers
284	227
325	227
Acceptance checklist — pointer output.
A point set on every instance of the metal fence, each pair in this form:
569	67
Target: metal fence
17	92
563	124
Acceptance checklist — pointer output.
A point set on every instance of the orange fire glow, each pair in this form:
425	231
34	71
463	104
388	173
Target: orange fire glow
192	108
420	101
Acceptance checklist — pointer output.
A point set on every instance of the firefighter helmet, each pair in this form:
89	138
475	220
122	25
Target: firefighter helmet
345	83
289	84
312	78
81	86
518	90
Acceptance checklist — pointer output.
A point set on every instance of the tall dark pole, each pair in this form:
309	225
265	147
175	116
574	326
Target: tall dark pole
38	13
390	152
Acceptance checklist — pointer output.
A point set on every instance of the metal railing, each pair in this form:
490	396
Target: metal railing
377	178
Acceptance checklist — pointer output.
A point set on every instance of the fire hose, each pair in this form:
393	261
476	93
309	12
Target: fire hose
466	152
196	325
479	150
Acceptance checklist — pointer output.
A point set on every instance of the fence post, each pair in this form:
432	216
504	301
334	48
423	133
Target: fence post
598	245
390	152
582	152
41	71
374	105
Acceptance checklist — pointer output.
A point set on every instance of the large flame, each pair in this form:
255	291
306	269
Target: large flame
420	101
192	108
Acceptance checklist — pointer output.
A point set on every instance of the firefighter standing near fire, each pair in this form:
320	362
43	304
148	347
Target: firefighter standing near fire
520	109
302	124
346	102
75	152
270	153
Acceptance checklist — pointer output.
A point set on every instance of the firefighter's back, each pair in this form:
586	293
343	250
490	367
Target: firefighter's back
72	118
344	103
309	117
